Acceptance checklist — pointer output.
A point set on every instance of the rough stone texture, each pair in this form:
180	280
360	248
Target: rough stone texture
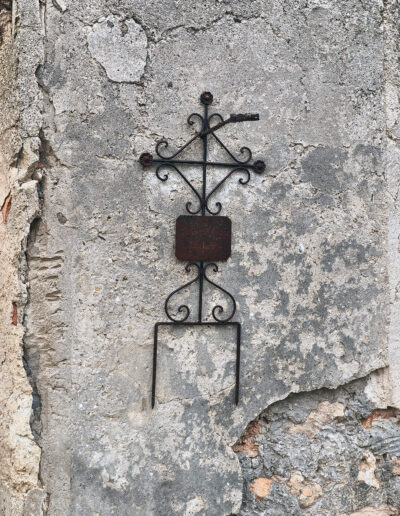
317	295
348	465
20	52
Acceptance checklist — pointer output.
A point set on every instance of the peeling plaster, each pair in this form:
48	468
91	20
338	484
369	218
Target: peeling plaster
309	265
120	46
321	453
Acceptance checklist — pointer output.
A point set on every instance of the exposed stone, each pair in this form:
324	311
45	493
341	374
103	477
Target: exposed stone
396	466
366	473
382	510
380	414
246	443
21	50
261	487
87	257
306	492
326	412
337	471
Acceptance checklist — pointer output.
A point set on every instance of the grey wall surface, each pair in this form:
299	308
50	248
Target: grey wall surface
314	260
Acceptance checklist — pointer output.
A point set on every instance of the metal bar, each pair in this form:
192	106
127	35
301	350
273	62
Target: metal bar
182	308
238	336
203	207
247	117
209	130
204	138
219	309
153	387
197	323
207	163
165	144
201	280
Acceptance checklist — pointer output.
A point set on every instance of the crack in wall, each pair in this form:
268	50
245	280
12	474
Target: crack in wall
86	315
32	355
23	173
30	362
31	367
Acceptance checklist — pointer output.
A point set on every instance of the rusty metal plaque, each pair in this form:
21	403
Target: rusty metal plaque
201	239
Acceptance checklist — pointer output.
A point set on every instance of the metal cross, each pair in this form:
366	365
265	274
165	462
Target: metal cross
202	242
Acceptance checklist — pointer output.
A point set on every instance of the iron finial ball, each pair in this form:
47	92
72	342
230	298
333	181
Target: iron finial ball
259	167
146	159
206	98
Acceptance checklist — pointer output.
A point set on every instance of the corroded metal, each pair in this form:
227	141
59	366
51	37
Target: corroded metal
201	240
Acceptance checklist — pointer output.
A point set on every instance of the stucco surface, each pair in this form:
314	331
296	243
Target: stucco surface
309	267
20	121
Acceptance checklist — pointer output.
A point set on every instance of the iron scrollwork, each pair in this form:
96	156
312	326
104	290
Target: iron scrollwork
167	163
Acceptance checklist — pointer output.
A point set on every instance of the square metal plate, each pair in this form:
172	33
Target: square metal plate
203	238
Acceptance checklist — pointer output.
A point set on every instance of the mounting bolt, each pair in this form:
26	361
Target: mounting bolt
146	159
259	167
206	98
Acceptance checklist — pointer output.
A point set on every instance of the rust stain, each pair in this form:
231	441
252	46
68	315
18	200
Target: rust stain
5	209
379	414
246	444
261	487
14	319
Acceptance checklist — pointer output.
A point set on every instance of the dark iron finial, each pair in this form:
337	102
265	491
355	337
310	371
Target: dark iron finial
206	98
146	159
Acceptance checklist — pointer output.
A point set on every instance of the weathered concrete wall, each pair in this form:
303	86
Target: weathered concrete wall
21	51
314	266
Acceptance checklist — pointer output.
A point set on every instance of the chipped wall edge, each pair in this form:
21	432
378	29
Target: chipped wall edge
21	52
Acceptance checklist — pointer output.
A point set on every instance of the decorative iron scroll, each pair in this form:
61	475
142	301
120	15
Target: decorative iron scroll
215	238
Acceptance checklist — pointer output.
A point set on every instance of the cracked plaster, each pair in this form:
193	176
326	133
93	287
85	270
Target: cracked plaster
120	46
309	267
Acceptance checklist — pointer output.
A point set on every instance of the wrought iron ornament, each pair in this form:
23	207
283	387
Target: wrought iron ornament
201	239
